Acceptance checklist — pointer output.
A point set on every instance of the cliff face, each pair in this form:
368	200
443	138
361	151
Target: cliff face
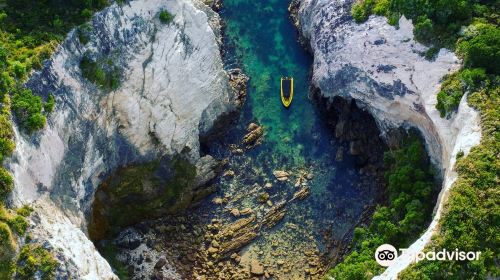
383	68
171	90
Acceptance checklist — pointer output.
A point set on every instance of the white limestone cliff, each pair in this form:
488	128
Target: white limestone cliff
172	89
383	68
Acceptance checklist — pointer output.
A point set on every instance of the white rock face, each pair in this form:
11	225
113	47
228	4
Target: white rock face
172	90
383	69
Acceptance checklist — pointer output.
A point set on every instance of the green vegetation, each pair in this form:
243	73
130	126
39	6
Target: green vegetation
6	183
480	47
49	105
410	179
436	22
142	192
454	86
29	109
470	220
166	17
29	32
11	223
35	262
84	33
102	72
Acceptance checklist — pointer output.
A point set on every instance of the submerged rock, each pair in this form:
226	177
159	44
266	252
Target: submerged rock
236	235
281	175
235	212
246	211
254	136
256	268
301	194
274	215
339	156
229	173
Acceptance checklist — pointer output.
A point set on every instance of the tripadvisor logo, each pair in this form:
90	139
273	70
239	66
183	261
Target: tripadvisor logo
386	254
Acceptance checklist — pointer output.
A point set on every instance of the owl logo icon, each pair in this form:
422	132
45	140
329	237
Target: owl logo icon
386	254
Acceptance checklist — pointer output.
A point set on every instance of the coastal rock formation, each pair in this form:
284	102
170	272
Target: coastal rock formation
171	90
383	68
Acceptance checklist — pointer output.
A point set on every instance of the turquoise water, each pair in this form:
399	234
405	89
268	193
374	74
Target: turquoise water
261	40
264	41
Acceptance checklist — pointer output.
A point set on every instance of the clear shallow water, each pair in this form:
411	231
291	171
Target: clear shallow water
262	41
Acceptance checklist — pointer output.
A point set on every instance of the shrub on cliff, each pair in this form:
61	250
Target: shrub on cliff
27	108
166	17
11	222
6	183
362	9
35	262
7	250
454	86
481	47
102	72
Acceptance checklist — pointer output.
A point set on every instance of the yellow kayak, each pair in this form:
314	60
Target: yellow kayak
286	91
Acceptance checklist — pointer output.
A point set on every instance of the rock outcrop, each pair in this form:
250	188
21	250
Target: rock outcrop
382	67
172	88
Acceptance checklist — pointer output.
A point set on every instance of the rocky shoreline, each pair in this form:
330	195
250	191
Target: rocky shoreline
210	243
223	233
216	252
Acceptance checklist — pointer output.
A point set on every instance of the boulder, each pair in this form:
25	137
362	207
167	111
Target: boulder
256	268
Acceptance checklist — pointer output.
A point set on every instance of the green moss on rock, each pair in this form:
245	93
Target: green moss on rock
138	192
109	252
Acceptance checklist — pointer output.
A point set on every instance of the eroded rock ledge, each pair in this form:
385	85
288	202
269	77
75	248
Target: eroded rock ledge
383	69
172	89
